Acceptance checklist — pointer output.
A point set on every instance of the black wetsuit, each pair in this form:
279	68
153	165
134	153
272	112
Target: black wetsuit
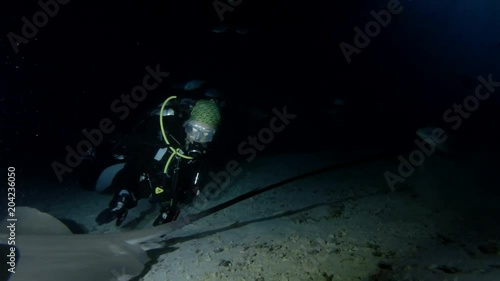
143	175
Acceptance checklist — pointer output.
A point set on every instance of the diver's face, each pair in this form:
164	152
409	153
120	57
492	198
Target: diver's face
192	143
199	132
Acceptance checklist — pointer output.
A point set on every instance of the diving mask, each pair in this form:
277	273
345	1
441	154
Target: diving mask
199	132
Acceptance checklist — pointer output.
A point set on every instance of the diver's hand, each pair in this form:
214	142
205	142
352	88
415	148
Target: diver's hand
118	208
110	214
167	214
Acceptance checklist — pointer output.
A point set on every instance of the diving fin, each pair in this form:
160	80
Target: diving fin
107	175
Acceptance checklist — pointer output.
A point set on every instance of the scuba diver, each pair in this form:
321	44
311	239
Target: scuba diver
165	159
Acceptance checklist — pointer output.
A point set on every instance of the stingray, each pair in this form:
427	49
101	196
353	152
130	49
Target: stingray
46	250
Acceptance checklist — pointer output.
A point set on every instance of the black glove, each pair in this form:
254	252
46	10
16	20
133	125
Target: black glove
167	214
118	208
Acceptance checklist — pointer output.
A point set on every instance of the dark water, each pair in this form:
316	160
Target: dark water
66	77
